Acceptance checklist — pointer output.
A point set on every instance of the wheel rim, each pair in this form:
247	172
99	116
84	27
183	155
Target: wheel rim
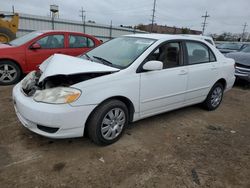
8	73
113	123
216	96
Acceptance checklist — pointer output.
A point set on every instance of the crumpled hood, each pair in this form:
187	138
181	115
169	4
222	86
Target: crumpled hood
59	64
240	57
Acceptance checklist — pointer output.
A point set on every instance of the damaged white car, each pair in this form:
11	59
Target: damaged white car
121	81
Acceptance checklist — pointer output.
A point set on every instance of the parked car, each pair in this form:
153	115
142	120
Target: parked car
121	81
230	47
242	62
24	54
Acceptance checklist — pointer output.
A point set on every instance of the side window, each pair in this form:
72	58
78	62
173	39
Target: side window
77	41
52	41
169	54
197	53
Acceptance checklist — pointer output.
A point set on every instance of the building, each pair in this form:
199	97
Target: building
29	23
167	30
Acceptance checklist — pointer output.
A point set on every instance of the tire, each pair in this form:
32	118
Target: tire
10	72
214	97
6	35
101	129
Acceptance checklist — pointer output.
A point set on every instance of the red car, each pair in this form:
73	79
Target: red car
24	54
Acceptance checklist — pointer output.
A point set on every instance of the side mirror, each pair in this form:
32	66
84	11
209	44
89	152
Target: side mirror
35	46
153	66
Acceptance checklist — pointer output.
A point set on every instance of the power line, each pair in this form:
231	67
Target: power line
243	32
83	16
153	16
204	24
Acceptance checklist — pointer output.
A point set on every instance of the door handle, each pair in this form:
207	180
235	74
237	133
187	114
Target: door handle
183	72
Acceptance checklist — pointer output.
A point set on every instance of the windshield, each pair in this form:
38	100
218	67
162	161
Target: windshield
22	40
231	46
246	49
120	52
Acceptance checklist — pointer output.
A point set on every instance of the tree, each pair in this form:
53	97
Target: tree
184	30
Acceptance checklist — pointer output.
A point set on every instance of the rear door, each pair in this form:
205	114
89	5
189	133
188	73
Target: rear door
50	44
164	89
203	71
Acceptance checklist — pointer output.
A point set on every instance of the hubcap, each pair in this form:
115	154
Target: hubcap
216	96
113	123
8	73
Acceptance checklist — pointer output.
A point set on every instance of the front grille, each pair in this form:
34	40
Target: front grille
243	66
243	69
47	129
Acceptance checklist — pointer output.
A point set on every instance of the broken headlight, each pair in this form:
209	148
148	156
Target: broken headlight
58	95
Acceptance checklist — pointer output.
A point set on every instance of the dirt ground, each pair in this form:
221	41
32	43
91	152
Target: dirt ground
189	147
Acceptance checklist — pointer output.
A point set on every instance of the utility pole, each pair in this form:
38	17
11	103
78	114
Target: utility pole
83	16
204	24
110	30
153	17
13	9
243	32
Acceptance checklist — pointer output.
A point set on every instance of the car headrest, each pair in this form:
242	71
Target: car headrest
199	53
172	49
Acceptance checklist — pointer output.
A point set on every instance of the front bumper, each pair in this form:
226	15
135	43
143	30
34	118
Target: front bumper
70	121
242	73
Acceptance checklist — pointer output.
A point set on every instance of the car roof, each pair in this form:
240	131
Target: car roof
61	31
164	37
198	36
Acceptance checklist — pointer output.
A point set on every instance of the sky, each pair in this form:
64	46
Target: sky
225	16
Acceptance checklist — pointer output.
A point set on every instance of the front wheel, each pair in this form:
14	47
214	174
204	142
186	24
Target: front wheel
10	73
214	97
108	122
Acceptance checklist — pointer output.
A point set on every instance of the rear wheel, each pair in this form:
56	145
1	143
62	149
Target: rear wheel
10	73
107	122
214	97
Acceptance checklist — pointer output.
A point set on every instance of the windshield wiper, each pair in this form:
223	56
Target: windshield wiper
103	60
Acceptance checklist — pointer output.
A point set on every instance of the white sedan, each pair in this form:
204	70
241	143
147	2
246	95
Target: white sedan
122	81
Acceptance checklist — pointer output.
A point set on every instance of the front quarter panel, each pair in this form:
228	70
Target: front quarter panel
99	89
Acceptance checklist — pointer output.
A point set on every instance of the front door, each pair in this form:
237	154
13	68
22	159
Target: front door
50	45
164	90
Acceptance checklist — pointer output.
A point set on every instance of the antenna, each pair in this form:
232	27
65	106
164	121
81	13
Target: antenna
204	24
153	17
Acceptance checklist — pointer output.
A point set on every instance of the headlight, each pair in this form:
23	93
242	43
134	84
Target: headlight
59	95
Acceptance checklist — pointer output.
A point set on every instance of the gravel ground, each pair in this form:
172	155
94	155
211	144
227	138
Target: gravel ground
189	147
